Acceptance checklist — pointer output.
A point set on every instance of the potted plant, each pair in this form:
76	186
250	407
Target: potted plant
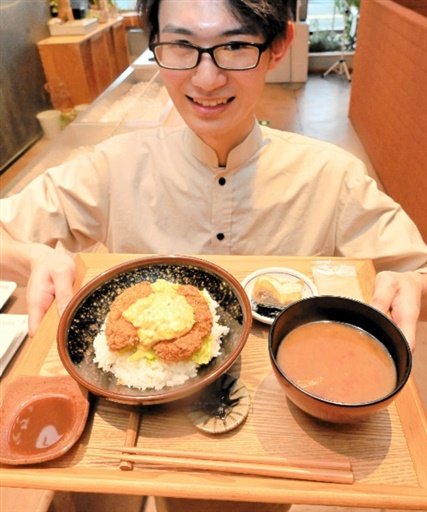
54	8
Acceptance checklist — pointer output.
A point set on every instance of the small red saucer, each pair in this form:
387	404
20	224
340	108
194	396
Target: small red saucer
42	418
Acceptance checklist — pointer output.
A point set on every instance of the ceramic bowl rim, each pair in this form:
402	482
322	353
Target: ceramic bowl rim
146	398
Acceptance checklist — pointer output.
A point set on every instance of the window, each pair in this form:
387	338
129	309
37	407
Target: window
324	15
125	5
332	24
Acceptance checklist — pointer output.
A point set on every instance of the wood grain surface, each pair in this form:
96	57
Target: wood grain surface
388	452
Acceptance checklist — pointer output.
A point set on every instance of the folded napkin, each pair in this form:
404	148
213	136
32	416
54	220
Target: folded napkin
13	329
333	278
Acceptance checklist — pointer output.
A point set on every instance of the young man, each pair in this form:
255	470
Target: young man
222	184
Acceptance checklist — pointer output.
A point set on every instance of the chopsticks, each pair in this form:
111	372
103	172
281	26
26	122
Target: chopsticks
276	467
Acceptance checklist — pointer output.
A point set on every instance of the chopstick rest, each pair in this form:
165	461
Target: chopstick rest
221	407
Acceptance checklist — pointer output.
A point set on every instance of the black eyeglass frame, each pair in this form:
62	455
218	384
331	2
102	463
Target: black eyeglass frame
210	51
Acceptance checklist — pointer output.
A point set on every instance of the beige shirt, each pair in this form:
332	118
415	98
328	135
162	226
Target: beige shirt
162	191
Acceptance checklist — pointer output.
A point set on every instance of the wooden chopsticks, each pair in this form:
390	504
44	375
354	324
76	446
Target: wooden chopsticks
299	469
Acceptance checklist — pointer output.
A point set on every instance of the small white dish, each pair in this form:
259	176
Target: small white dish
13	329
6	290
282	274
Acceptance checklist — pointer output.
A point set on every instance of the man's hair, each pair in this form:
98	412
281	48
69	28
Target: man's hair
266	17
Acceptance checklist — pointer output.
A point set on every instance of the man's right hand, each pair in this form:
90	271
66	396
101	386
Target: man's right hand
52	276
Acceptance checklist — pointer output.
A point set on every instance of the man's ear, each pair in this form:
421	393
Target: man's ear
280	46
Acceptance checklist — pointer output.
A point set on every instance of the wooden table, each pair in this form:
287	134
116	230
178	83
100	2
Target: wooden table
388	452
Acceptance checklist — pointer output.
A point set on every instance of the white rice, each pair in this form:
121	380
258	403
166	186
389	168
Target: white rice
144	374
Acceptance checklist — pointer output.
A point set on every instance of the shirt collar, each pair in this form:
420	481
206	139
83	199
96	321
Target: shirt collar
237	156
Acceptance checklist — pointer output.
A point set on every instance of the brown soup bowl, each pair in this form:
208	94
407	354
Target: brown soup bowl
353	313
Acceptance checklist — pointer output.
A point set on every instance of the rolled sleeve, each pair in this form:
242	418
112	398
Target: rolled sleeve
372	225
67	204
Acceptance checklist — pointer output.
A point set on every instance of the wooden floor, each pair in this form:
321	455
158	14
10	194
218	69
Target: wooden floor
319	109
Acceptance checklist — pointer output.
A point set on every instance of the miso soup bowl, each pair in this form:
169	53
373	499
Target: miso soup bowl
354	313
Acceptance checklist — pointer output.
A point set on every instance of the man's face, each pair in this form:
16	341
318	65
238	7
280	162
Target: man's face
218	105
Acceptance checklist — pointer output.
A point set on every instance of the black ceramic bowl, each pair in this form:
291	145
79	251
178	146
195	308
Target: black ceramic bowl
354	313
86	313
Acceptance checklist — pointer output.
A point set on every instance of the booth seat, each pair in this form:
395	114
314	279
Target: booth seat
388	103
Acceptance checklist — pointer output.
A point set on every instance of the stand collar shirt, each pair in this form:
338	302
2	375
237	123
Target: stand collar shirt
161	191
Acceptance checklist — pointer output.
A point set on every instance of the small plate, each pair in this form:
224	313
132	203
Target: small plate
281	273
42	418
6	290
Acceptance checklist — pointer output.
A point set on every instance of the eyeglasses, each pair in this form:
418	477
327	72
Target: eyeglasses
234	56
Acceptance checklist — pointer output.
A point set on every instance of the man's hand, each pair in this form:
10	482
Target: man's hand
51	276
400	295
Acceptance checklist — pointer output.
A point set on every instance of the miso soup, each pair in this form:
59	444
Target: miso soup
338	362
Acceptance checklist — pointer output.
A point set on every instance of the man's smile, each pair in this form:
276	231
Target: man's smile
210	102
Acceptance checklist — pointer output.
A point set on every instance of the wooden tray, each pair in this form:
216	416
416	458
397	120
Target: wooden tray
388	452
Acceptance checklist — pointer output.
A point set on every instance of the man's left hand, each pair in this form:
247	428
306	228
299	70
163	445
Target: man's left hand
400	295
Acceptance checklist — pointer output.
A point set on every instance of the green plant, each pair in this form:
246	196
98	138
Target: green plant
342	4
95	3
350	11
323	40
54	7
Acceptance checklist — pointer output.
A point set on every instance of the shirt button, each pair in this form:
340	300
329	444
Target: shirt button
220	236
222	181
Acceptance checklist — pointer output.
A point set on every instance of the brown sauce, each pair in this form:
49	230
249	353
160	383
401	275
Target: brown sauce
338	362
41	424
